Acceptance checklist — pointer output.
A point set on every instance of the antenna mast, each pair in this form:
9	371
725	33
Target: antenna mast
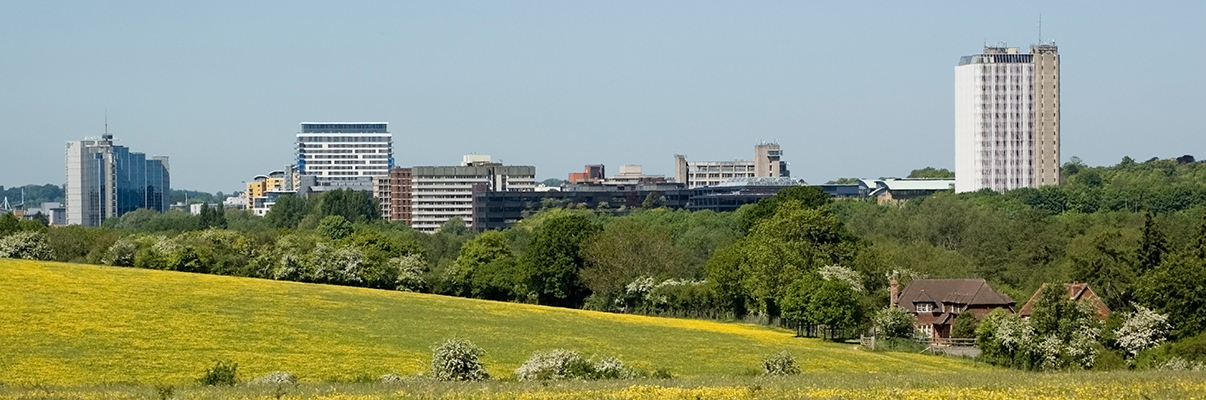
1040	28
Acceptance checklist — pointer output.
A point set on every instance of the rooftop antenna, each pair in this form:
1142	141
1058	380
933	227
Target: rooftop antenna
107	135
1040	28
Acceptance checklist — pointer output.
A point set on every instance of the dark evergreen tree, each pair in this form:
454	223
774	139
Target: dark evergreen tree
1153	246
287	212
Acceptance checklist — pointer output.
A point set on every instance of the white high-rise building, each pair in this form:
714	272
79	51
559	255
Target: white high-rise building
1007	119
345	154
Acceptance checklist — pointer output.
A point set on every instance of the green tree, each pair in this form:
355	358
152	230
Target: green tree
626	250
352	205
549	268
835	305
806	196
1102	258
485	268
654	200
931	172
334	227
9	224
212	217
964	326
795	302
1057	314
454	226
287	212
135	221
1176	289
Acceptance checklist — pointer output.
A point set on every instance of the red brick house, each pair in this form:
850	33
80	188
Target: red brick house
1077	291
936	302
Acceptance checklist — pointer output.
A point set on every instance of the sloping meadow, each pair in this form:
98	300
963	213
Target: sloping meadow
72	324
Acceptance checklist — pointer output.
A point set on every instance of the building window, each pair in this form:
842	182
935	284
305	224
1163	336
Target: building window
925	307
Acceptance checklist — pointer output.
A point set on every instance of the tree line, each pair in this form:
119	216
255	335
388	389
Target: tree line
797	256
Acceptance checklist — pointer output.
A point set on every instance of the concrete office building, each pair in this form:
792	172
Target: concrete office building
105	180
441	193
767	163
344	155
1007	119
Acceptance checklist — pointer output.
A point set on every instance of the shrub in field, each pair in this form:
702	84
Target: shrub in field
163	392
661	373
222	373
612	368
276	378
555	365
28	245
458	360
781	363
894	322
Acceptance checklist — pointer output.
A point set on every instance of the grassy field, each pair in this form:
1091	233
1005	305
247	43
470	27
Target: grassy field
69	324
848	386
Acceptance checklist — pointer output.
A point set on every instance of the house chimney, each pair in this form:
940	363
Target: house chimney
893	292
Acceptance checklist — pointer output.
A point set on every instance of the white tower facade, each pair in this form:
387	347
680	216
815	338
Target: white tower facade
345	154
998	143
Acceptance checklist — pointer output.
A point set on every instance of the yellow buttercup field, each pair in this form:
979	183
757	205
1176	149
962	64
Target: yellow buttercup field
83	324
89	332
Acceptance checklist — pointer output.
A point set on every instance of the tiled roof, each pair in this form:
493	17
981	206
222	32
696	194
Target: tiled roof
1077	291
963	292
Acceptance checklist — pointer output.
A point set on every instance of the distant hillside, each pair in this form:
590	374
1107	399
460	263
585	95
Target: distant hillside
35	195
71	324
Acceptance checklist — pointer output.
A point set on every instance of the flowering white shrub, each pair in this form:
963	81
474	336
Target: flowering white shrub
410	272
1142	330
1180	364
1048	350
289	268
1014	333
1082	348
338	265
26	245
894	321
639	287
780	364
121	253
613	368
844	274
276	378
458	360
554	365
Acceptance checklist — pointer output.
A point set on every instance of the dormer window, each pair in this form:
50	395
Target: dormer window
925	307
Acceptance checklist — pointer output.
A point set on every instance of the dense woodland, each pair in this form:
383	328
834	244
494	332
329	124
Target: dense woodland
1136	232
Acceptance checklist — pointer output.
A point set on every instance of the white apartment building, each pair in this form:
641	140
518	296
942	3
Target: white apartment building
343	155
767	163
1007	119
441	193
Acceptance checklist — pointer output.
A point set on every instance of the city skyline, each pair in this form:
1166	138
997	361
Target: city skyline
562	86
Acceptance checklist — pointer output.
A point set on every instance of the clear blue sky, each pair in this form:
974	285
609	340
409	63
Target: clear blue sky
850	89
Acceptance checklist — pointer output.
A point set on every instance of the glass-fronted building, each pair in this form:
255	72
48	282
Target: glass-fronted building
106	180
